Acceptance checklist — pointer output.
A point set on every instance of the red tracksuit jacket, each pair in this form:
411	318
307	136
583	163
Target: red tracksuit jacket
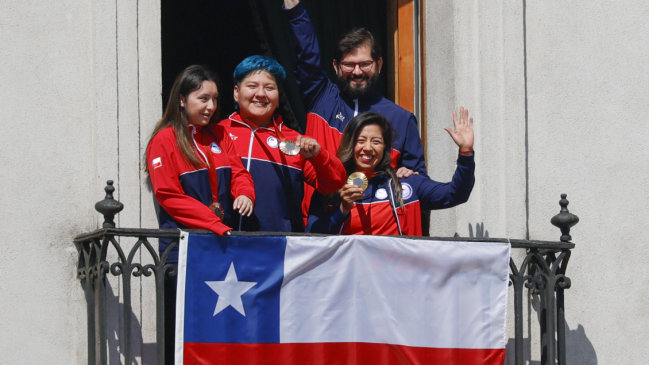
279	179
378	213
184	192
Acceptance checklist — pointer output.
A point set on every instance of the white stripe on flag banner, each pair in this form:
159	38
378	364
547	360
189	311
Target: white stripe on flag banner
378	289
180	297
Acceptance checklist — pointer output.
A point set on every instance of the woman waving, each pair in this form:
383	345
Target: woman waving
374	200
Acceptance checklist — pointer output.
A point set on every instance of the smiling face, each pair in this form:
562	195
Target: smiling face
258	97
357	72
369	148
200	104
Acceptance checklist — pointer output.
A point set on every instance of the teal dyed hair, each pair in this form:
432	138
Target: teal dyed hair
258	63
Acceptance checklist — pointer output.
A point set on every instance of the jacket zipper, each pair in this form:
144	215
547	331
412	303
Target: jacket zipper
200	150
393	204
252	140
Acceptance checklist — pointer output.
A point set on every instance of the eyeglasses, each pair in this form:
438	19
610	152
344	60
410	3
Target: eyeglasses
351	66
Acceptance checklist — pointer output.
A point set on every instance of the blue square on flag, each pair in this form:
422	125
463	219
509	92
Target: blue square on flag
232	292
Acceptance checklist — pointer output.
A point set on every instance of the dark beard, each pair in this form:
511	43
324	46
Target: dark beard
345	86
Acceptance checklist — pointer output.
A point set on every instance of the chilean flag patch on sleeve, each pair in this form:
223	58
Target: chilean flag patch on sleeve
157	162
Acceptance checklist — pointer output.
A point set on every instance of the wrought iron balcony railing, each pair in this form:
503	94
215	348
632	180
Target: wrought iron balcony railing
542	272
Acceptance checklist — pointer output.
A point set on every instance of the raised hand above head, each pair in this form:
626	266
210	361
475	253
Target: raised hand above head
463	133
290	3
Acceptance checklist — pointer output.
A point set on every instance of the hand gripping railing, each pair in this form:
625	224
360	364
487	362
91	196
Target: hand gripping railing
542	272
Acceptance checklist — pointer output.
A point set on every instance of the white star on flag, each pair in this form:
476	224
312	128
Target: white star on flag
230	291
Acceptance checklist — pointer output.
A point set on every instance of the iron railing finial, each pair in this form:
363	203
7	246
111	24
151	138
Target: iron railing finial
564	220
109	207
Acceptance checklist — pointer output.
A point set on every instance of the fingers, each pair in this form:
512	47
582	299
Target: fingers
352	187
404	172
351	193
244	205
309	147
353	197
313	146
462	119
457	138
449	132
246	208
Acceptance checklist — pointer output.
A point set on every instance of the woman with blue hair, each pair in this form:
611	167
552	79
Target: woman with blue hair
279	159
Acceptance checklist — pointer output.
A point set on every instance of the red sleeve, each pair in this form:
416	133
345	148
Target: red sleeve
241	183
162	155
324	172
328	137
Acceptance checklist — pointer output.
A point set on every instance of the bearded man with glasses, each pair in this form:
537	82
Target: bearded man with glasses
330	106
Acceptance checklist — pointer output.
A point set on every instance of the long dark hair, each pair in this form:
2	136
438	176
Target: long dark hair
190	79
350	135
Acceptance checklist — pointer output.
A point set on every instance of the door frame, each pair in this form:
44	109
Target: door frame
406	48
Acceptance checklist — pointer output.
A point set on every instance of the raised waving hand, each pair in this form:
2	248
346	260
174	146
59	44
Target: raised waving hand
463	133
290	3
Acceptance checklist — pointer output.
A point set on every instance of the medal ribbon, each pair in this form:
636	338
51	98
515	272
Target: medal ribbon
211	169
279	134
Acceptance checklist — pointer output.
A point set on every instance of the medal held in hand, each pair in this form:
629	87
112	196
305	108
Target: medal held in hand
359	179
287	146
218	210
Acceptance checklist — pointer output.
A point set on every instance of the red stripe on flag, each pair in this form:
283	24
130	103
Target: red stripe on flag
348	353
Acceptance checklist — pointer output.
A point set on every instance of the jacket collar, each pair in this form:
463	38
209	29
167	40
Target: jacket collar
371	98
236	118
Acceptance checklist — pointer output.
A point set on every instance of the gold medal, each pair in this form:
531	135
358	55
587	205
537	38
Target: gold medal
218	210
289	147
359	179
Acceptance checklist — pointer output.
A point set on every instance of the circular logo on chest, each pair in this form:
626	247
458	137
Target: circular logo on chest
406	191
381	194
272	142
215	148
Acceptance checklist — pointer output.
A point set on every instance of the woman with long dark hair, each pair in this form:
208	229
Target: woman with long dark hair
197	177
374	200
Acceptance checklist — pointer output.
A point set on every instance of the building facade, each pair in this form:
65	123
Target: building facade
559	91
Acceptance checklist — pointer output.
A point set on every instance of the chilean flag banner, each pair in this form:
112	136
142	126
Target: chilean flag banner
357	300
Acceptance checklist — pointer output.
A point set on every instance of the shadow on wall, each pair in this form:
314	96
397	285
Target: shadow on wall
579	349
146	352
480	232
